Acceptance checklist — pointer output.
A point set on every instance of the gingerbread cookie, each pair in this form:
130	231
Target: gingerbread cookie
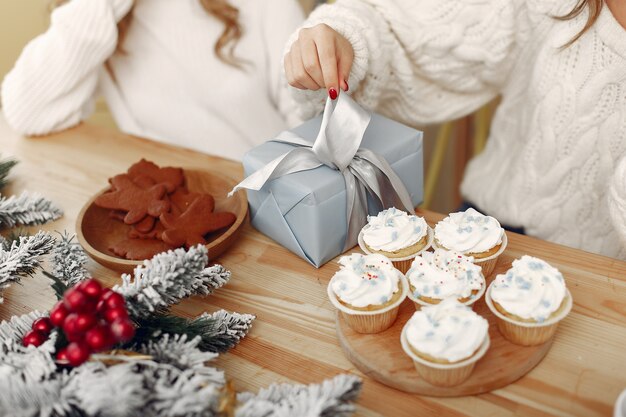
154	233
190	227
182	199
135	200
171	177
138	249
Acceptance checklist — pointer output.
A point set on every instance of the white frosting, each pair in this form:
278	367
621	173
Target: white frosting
448	330
469	232
531	289
442	274
365	280
393	229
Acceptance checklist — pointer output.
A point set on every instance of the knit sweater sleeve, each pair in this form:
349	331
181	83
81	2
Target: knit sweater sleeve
616	199
423	61
53	83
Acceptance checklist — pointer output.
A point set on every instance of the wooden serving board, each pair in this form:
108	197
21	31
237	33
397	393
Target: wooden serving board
380	356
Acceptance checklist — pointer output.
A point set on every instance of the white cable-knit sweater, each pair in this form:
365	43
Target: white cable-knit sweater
554	162
168	85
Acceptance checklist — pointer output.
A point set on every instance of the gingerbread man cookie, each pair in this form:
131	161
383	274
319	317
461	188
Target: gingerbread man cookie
190	227
136	201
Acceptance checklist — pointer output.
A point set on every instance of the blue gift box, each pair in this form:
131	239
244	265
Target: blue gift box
306	211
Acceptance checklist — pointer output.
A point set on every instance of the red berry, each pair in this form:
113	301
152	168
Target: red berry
77	353
75	300
75	337
106	293
43	324
115	300
62	355
84	322
99	338
101	306
35	338
91	288
123	330
113	314
58	314
70	325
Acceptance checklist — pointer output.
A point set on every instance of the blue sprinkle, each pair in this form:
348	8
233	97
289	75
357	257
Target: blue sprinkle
535	266
545	303
437	290
373	282
430	334
416	294
394	235
383	299
545	279
418	230
426	289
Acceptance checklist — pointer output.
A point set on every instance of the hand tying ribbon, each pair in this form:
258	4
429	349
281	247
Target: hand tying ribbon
337	146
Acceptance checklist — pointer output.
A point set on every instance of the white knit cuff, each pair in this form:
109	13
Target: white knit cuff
617	200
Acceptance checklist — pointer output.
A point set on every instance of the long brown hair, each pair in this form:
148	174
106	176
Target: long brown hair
220	9
593	6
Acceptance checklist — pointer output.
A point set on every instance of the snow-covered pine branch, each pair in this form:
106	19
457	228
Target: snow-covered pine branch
68	260
332	397
23	257
169	277
228	330
179	351
27	209
5	167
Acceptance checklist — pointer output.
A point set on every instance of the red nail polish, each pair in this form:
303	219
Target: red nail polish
332	93
347	86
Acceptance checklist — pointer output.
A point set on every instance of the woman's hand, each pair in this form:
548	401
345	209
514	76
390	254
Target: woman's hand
319	58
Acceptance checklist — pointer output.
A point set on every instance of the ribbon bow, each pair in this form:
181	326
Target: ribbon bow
338	146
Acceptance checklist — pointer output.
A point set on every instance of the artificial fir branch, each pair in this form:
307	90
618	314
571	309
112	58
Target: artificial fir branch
330	398
218	332
69	259
169	277
5	168
23	257
179	351
27	210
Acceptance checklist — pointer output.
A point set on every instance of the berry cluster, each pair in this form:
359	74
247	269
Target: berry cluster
93	319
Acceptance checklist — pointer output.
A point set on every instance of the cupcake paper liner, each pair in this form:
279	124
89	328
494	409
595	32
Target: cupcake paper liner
528	334
401	264
444	374
374	321
487	264
419	303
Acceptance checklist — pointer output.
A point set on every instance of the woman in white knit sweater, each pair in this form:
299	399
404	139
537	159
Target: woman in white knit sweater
204	74
555	163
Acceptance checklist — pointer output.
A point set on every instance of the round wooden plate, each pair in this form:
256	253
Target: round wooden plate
380	356
96	230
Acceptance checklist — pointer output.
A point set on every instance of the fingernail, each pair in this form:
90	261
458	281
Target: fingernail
347	86
332	93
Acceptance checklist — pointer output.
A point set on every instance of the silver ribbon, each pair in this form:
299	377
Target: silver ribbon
338	146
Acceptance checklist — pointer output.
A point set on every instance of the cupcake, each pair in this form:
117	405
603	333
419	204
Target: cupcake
445	341
397	235
368	291
529	301
435	276
472	234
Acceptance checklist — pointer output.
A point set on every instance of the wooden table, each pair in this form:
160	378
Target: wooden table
293	338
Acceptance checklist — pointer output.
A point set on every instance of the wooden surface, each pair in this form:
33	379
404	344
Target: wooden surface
293	338
97	231
381	357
